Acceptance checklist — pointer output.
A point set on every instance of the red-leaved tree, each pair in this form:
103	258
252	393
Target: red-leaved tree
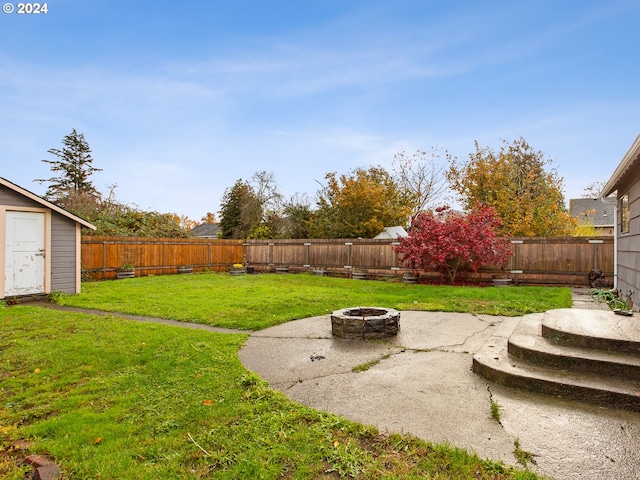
454	243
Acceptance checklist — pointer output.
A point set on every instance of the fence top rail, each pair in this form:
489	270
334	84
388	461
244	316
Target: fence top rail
560	240
314	241
382	241
89	239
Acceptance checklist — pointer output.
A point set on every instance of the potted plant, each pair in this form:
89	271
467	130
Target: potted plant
501	280
237	269
127	270
412	276
358	274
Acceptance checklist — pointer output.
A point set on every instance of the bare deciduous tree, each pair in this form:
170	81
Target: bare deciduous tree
421	177
593	190
266	190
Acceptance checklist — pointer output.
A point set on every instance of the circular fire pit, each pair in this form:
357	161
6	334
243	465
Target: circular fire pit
365	323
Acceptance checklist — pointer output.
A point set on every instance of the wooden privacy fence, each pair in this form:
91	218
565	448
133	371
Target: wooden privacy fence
102	256
534	260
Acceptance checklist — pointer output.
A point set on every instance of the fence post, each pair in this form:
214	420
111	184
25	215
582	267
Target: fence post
271	254
246	251
307	245
164	257
104	260
394	267
595	252
348	245
515	270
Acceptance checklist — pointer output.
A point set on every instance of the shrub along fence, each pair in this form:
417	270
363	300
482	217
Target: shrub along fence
534	260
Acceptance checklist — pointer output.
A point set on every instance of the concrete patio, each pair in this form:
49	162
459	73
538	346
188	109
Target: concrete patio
421	382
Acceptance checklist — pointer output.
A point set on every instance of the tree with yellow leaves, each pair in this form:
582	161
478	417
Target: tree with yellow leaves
516	183
359	204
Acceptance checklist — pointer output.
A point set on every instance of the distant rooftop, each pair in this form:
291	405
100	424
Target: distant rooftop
600	211
206	230
392	233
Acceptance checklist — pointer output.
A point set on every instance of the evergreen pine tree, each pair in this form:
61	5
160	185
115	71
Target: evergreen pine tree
74	165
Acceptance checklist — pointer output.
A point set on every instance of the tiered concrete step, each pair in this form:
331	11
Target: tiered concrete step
594	329
587	355
547	346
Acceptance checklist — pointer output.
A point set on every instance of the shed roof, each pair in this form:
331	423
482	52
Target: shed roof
45	203
629	165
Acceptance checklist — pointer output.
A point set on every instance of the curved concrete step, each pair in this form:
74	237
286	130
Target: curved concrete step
494	363
527	344
594	329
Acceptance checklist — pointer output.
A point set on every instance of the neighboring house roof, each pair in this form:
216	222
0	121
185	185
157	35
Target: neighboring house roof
600	211
45	203
392	232
206	230
629	165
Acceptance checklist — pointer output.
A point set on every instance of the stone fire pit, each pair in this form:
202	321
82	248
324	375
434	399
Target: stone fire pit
364	323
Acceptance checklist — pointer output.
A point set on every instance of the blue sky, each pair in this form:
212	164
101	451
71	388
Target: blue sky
179	99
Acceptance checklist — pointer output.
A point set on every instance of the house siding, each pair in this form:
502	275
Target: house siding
628	252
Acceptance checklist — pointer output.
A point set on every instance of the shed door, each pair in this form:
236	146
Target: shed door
24	254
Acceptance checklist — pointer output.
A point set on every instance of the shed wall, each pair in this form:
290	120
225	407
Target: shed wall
11	198
63	254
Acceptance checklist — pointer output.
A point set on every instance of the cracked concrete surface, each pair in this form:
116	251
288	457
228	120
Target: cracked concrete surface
420	382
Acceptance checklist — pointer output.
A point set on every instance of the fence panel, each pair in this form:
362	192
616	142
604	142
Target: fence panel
289	254
327	255
368	255
102	256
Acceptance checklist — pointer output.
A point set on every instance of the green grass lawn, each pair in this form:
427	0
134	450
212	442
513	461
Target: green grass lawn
254	302
114	399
